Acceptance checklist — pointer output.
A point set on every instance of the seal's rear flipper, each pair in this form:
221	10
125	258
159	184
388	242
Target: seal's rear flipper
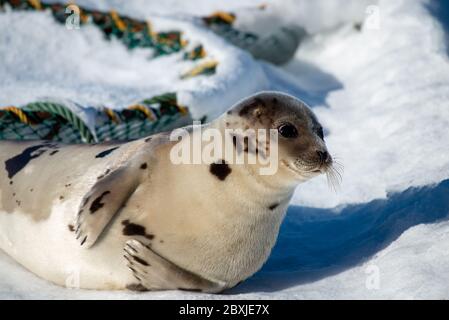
157	273
102	202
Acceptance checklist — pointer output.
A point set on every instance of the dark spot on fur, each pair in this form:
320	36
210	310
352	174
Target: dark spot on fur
274	100
143	166
104	174
97	204
136	287
141	261
54	152
273	206
136	276
221	170
229	112
71	228
148	139
68	185
11	182
133	229
246	110
85	201
105	153
14	194
31	190
17	163
61	197
192	289
127	259
18	202
161	241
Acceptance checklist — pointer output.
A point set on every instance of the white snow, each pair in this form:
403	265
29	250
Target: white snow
381	93
50	60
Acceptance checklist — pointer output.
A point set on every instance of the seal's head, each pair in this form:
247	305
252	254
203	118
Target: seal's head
302	152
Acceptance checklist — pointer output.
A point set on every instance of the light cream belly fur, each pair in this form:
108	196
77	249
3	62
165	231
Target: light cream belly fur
222	230
37	234
49	250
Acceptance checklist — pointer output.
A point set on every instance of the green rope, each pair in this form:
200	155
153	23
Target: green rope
65	113
56	121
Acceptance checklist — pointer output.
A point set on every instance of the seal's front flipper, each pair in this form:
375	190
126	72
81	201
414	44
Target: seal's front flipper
102	202
157	273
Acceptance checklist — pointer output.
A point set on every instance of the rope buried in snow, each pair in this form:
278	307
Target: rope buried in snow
133	33
277	47
57	121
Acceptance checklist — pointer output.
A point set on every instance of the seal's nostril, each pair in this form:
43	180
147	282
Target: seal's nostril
323	155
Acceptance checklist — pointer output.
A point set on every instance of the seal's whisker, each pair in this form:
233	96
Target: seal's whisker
334	178
338	166
338	169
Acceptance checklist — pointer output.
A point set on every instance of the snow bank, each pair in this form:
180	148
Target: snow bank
387	124
40	57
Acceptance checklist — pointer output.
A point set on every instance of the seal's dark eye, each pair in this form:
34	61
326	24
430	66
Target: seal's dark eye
320	133
288	130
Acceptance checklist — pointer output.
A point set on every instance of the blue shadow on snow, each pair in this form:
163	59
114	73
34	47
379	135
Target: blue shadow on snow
316	243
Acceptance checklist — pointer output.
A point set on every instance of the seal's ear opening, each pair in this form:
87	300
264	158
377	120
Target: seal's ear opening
106	197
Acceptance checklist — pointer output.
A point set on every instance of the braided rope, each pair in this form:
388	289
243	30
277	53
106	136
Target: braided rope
131	32
18	113
220	16
203	68
36	4
65	113
149	114
56	121
119	23
111	115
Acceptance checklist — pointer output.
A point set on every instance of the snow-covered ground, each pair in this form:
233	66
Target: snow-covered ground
381	93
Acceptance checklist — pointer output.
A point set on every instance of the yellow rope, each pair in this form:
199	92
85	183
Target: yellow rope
36	4
199	69
111	114
144	110
201	54
228	17
19	114
118	22
183	109
83	17
184	42
150	29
